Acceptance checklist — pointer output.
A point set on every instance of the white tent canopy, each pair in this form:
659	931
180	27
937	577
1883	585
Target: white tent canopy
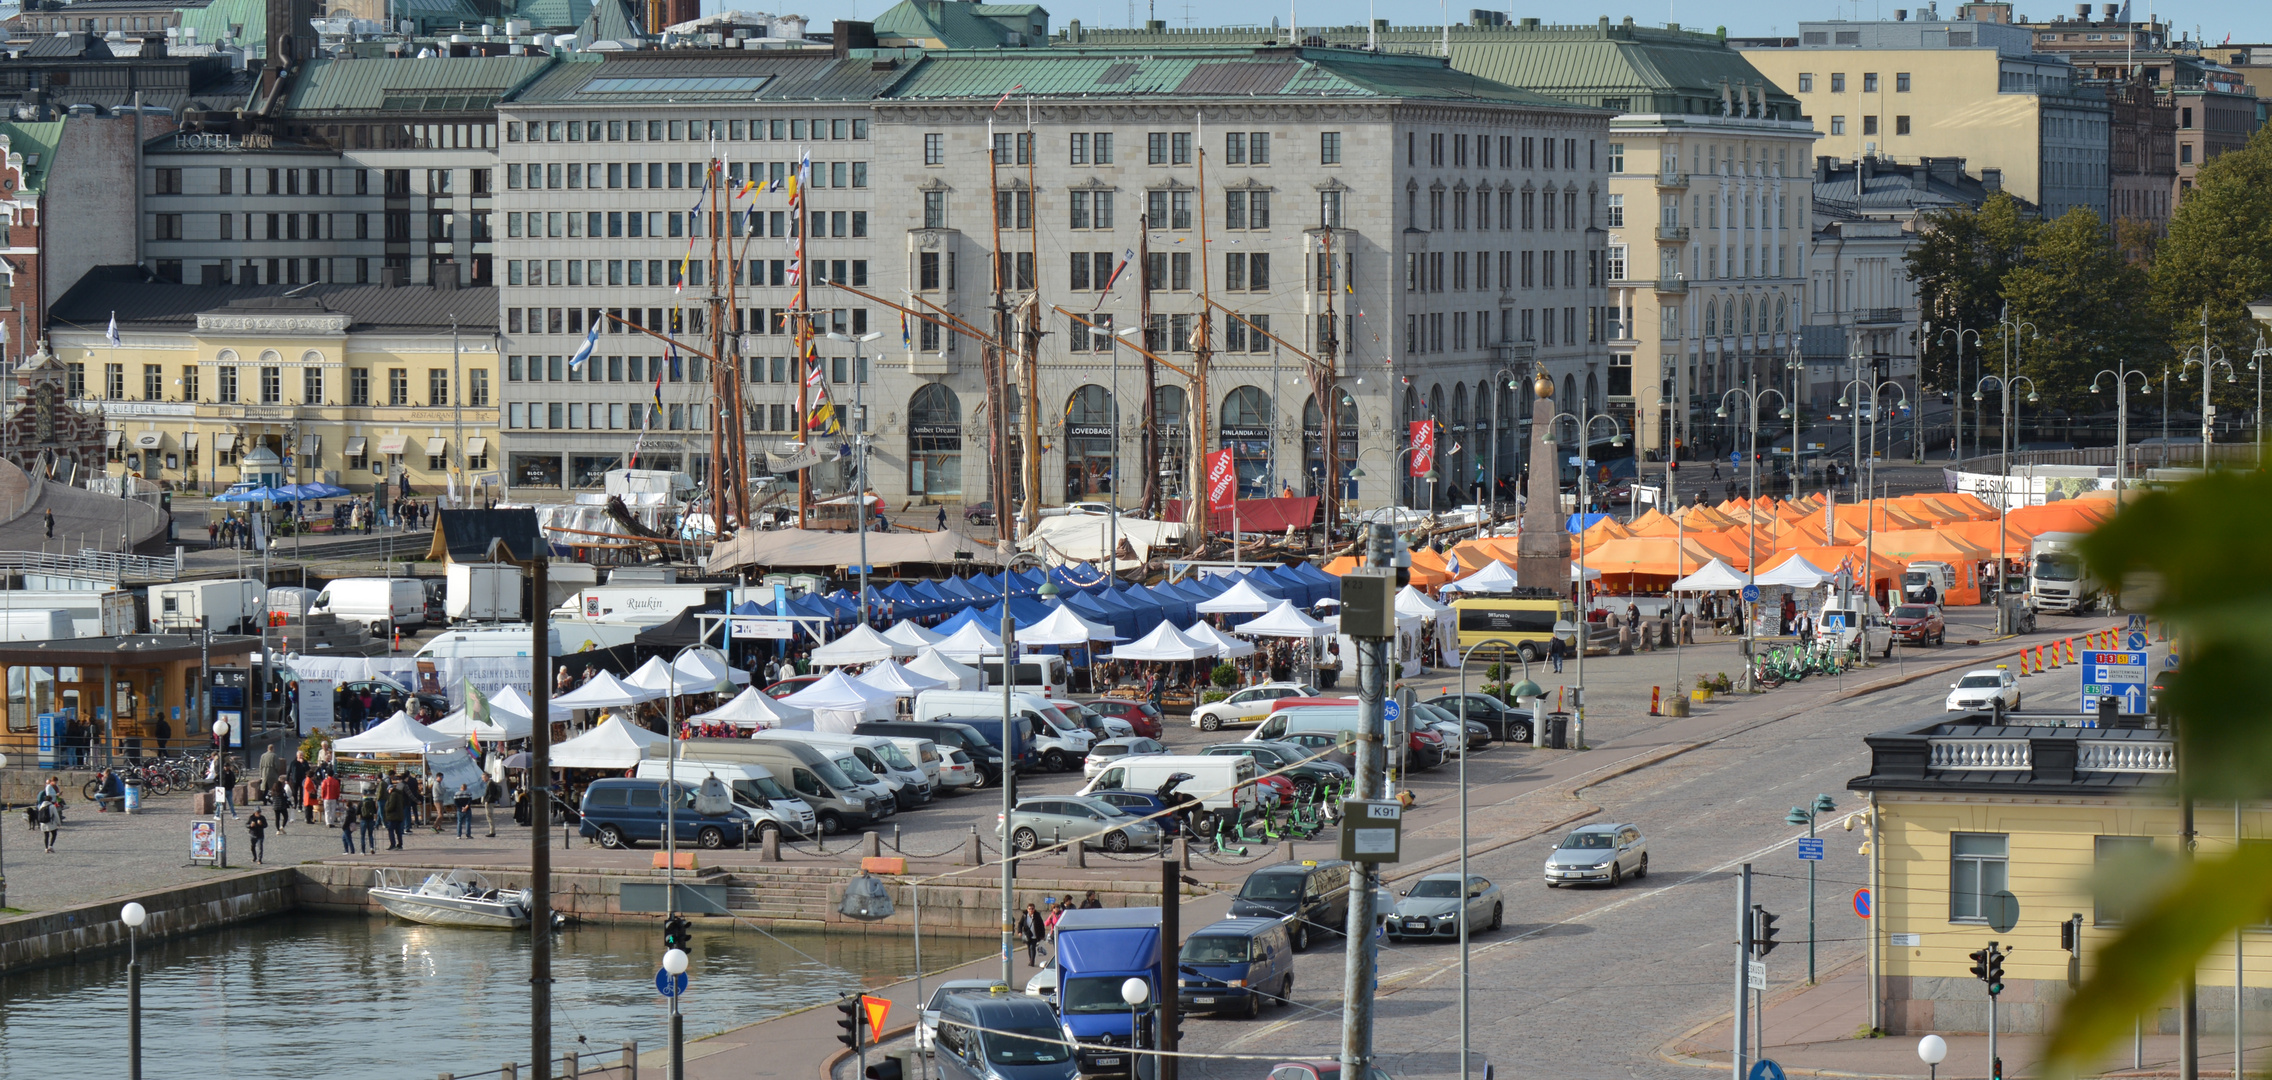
1165	643
1242	597
503	726
398	734
604	691
512	700
614	744
908	632
896	679
956	675
1590	573
1088	536
755	709
1230	646
707	671
1495	577
1795	572
1714	576
838	702
970	643
862	645
653	675
1285	620
1411	601
1064	627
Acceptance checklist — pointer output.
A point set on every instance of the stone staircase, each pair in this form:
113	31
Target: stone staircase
322	634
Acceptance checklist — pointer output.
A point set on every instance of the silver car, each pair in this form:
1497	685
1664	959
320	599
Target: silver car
1108	752
1604	853
1053	819
1431	908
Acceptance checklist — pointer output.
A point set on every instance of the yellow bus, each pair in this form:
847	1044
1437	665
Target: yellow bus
1528	623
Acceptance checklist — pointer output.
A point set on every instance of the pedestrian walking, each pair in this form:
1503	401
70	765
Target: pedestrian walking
227	800
256	827
396	808
1031	930
347	821
50	516
367	816
280	799
50	815
464	804
328	790
1554	652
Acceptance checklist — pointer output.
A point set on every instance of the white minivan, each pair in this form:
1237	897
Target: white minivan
382	604
1219	782
876	753
753	787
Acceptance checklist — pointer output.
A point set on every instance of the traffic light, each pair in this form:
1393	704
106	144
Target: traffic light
886	1069
1762	932
1980	964
2069	933
1995	971
848	1021
675	933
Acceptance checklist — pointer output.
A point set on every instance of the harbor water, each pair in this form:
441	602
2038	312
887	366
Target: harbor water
379	999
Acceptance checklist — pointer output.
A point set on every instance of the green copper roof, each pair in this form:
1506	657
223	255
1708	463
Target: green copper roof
414	84
247	19
956	24
1185	73
36	142
1626	67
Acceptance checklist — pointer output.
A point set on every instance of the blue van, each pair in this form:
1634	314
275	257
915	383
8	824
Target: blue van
1237	966
621	812
1002	1036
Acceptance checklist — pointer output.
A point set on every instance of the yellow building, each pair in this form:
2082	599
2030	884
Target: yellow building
1935	88
1967	810
355	385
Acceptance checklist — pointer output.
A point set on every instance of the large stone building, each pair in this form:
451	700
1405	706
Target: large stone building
1704	219
1466	218
355	385
1974	90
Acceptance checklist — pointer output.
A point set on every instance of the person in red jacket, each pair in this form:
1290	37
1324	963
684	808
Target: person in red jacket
328	790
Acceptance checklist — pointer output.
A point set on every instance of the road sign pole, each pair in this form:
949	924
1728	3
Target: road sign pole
1811	863
1743	969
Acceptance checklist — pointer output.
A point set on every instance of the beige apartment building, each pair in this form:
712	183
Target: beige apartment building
1906	90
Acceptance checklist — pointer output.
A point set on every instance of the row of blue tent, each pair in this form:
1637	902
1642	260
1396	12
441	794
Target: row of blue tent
1131	611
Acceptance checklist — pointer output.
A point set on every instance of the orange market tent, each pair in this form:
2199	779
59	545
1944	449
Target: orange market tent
1930	544
1854	557
1651	556
1653	524
1982	534
2066	515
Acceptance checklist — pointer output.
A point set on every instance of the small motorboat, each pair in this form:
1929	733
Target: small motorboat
456	898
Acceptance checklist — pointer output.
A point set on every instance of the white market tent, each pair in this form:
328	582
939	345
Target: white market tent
1285	620
1231	646
614	744
909	632
503	726
755	709
604	691
955	675
1064	627
1165	643
896	679
1493	578
398	734
1411	601
707	671
970	643
862	645
1714	576
653	675
838	703
1242	597
1592	573
1795	572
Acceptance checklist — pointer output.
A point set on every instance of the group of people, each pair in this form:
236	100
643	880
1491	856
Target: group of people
1037	927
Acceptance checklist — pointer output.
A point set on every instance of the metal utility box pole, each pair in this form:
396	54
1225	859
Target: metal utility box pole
1369	616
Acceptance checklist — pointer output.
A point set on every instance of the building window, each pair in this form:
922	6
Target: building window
1978	869
1900	82
1616	157
437	387
934	209
1837	82
477	390
1838	125
2185	153
1869	82
1329	148
398	386
1869	125
1329	209
934	148
1901	125
189	382
227	388
271	385
1806	82
359	386
1616	211
311	386
153	382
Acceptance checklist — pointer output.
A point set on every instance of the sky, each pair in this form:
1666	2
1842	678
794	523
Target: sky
2243	22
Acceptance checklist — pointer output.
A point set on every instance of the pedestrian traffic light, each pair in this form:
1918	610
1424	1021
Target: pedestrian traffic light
1762	932
675	933
1979	964
848	1021
1995	971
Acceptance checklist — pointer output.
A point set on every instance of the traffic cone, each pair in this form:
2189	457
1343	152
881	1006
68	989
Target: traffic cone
2070	650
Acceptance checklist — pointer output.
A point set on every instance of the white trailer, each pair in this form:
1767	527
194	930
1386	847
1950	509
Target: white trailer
229	606
484	592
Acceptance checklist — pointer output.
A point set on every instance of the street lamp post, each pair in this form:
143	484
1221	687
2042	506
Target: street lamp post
674	965
859	460
1932	1050
1136	992
1616	438
1751	516
1955	335
133	915
1848	399
2256	364
2004	385
2208	358
1502	645
221	826
2122	414
1805	815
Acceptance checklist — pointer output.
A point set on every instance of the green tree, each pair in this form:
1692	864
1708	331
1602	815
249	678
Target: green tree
2205	548
1959	265
2218	256
2088	306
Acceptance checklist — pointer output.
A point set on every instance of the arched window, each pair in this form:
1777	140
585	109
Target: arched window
1780	302
1171	411
1728	314
934	441
1245	432
1711	319
1747	314
1089	430
1246	406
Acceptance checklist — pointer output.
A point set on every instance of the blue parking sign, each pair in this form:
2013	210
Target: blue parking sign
2121	675
1810	848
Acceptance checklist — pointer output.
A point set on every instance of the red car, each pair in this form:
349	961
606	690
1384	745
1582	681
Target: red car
1426	747
1139	714
1919	624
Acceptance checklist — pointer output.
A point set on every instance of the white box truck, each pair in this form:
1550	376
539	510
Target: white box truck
231	606
50	624
484	592
2057	581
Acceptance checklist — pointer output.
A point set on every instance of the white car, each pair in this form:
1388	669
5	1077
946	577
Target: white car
956	769
1109	752
1983	689
1075	508
1248	706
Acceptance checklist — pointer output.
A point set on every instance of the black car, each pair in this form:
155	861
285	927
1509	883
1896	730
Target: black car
1314	894
1272	756
1507	723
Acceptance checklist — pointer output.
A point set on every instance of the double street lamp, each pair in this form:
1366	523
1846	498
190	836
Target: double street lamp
1750	398
2208	358
2121	376
1848	399
2004	387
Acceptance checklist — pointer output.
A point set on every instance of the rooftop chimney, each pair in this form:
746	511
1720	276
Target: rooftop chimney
1901	14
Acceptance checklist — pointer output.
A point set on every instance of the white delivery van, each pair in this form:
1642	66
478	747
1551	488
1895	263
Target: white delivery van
1058	743
1044	673
233	606
1940	575
48	624
1855	621
839	800
875	753
379	603
483	592
652	603
754	790
1219	782
513	640
924	753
